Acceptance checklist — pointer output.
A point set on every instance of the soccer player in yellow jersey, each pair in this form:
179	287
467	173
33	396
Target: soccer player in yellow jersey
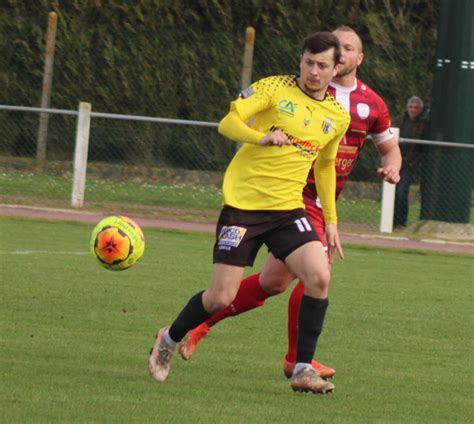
369	115
296	124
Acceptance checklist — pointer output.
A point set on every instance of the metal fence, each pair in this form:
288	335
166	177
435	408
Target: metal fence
145	164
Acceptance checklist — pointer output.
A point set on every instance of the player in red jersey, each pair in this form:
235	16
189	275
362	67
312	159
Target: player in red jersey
369	115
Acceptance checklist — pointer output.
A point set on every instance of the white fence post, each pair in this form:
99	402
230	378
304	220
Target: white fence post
80	154
388	200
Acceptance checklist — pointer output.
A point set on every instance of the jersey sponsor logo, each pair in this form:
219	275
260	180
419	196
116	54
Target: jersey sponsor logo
306	148
363	110
326	125
230	236
244	94
287	107
306	122
347	149
357	132
344	164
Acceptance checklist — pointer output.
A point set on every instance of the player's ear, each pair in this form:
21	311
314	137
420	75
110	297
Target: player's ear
360	59
336	69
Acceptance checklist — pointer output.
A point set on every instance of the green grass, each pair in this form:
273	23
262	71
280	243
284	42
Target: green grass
75	337
41	187
142	193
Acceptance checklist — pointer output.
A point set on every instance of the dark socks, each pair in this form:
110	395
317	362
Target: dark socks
310	325
190	317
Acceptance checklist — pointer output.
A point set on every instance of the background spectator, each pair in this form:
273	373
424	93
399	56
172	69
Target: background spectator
412	124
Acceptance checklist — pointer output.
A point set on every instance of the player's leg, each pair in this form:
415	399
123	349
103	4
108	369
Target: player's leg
293	312
316	218
253	291
236	247
224	285
310	264
402	191
289	361
296	243
249	296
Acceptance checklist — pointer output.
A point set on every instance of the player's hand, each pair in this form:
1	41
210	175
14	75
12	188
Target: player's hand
389	174
275	138
333	242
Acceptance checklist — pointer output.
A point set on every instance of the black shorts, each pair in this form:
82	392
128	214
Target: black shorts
241	233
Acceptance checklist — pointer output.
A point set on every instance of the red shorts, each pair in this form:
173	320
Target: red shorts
316	217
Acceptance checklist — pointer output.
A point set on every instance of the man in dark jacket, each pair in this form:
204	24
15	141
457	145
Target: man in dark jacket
412	124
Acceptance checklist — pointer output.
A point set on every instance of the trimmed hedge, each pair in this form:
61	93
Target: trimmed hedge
182	59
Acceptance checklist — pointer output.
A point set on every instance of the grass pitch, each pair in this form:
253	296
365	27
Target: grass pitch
34	189
75	337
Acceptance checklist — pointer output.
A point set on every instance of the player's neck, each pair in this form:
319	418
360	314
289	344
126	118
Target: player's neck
316	95
345	81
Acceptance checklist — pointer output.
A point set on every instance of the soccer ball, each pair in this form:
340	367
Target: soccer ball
117	242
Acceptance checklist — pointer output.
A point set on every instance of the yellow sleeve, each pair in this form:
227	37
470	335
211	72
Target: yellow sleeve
257	98
234	126
325	178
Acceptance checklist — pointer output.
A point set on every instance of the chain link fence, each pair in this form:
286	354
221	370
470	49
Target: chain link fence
148	166
139	165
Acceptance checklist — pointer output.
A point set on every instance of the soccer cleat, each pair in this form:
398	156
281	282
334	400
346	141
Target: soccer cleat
189	343
161	354
309	380
323	370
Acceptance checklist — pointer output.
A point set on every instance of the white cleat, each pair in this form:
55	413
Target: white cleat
161	355
309	380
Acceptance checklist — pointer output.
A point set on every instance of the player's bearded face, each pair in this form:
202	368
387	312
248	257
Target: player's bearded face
346	67
316	71
351	52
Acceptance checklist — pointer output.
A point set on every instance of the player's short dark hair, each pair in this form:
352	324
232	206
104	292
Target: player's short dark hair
320	42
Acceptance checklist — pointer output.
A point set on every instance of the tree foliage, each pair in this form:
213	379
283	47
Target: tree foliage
183	58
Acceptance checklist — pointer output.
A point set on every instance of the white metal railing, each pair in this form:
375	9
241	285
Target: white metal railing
435	143
82	142
111	116
195	123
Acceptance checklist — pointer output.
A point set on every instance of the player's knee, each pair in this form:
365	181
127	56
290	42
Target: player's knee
319	279
276	288
275	284
218	302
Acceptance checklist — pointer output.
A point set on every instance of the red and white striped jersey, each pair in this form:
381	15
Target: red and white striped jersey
369	115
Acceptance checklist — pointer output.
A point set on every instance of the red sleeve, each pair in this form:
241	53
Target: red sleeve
383	122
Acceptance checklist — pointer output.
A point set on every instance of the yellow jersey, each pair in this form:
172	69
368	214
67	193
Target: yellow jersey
272	177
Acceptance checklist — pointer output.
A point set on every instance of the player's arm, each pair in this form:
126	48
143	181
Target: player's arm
390	160
325	177
387	145
253	100
234	126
